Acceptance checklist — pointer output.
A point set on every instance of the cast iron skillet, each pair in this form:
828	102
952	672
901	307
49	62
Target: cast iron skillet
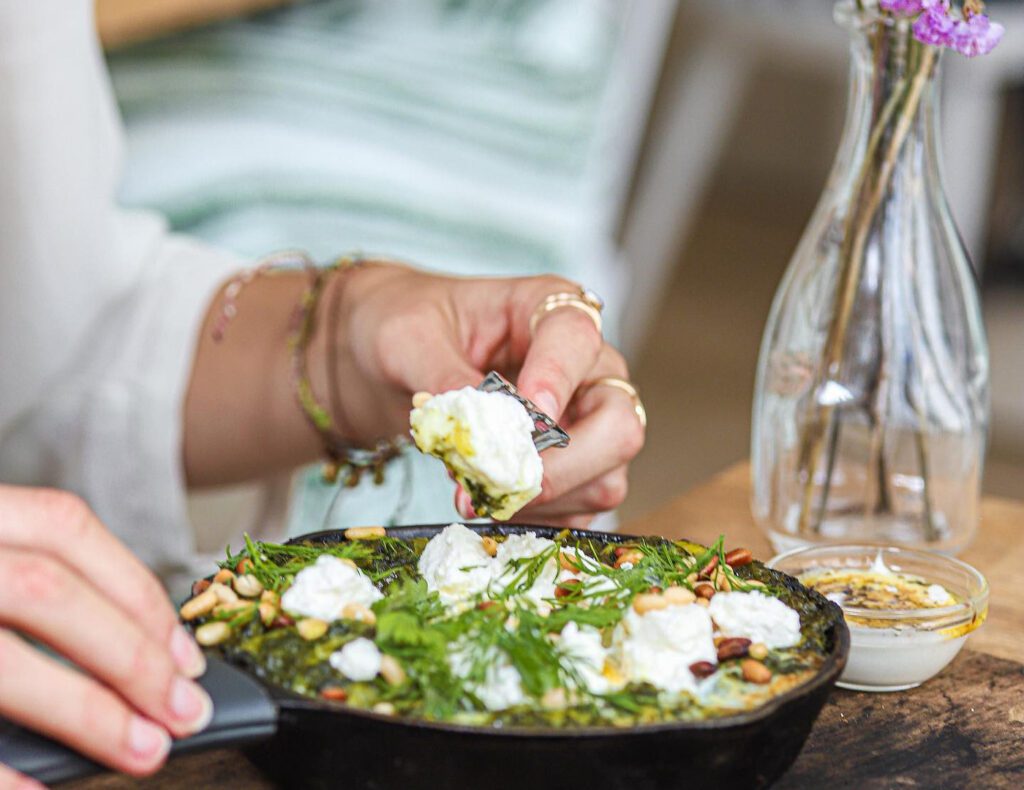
304	742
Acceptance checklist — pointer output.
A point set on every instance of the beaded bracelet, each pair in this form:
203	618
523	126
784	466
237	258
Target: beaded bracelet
341	455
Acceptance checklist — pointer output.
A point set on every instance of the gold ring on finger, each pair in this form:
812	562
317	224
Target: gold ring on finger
629	389
584	300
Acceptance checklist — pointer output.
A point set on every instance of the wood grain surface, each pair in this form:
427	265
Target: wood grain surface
963	729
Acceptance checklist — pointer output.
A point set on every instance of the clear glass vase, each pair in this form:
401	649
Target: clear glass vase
871	408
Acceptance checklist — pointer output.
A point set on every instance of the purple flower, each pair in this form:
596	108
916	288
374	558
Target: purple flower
935	27
910	7
976	36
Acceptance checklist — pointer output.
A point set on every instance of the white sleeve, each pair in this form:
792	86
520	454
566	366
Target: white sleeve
99	307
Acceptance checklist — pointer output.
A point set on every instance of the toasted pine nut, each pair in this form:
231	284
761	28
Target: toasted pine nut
705	590
268	612
200	605
678	596
645	602
419	398
754	671
703	602
270	596
567	562
384	709
738	557
210	634
202	585
244	566
631	556
722	580
391	670
490	545
758	650
703	669
356	611
224	576
349	562
691	579
224	593
733	647
364	533
311	629
248	586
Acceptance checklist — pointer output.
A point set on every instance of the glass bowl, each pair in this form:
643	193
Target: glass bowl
898	649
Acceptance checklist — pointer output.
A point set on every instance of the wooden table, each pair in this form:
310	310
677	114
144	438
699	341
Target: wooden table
965	728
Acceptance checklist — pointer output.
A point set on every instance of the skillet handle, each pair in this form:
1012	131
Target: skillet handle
243	712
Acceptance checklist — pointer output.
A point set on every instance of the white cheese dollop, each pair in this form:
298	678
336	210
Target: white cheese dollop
757	617
507	566
324	588
357	660
658	647
485	438
502	686
581	648
455	564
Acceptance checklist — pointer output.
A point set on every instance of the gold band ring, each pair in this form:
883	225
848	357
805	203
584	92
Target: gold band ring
629	389
583	300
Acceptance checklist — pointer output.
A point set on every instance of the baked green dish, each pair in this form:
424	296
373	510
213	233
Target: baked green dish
514	627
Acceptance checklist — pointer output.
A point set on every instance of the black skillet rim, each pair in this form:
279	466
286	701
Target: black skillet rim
828	674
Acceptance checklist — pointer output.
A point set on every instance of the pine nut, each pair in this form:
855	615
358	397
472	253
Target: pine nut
311	628
631	556
268	613
678	596
722	581
200	586
356	611
391	670
200	605
758	650
703	669
210	634
350	563
384	709
703	602
738	557
224	593
755	671
224	576
555	699
732	647
490	546
270	596
645	602
420	398
244	566
227	608
705	590
248	586
364	533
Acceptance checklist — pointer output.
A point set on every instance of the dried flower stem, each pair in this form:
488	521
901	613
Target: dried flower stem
871	187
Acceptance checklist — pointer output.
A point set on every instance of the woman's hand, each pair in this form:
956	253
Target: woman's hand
404	331
71	585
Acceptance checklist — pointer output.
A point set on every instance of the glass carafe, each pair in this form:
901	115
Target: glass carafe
871	408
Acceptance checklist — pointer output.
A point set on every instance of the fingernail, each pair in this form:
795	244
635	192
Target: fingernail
464	504
146	740
190	704
186	653
546	402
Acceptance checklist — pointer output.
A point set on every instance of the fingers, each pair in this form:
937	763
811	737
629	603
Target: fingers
53	699
12	780
600	495
41	598
565	347
60	525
